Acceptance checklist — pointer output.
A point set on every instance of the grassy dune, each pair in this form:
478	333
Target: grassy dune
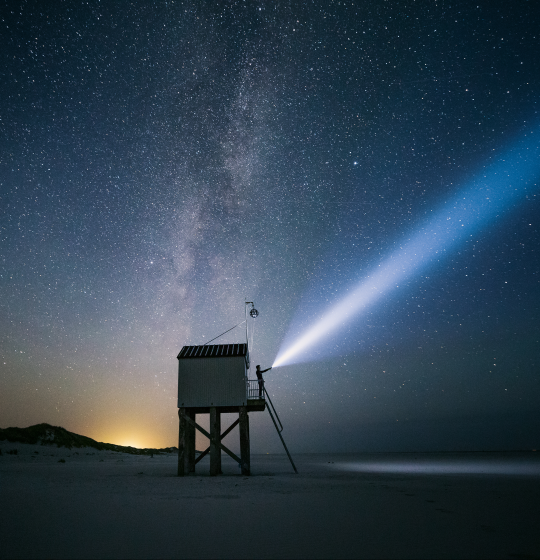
45	434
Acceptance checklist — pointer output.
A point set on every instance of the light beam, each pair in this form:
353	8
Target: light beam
488	195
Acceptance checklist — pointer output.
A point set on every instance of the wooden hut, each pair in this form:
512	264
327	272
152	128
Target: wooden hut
212	379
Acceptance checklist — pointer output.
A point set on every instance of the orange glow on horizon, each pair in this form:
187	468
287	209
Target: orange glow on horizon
139	439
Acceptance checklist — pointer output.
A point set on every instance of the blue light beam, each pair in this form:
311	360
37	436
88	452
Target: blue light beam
491	193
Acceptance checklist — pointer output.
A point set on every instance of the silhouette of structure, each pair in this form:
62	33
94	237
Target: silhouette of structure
212	379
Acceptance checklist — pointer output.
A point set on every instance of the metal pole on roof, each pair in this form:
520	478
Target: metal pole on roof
245	317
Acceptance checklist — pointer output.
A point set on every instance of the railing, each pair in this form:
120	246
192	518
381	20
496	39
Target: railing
254	390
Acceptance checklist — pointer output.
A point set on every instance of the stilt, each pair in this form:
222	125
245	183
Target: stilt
244	440
189	445
215	440
182	425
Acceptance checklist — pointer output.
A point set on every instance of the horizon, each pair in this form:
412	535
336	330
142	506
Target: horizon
322	452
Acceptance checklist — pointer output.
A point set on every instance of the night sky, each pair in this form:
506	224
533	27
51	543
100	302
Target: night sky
161	162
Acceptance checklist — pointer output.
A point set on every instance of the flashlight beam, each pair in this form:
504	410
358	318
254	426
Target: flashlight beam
490	194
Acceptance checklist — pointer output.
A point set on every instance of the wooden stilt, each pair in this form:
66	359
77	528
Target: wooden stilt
192	448
217	442
186	441
215	438
244	441
182	425
189	446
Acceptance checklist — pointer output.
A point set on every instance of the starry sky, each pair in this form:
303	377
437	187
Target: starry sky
163	162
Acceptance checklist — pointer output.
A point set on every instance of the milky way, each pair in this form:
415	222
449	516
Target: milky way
160	164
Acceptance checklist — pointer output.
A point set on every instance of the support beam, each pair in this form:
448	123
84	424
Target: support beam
215	440
230	429
202	455
204	432
182	424
244	441
223	435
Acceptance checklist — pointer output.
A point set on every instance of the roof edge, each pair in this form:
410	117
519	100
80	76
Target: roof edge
236	350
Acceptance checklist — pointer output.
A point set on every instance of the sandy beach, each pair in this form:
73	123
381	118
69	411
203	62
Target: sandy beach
102	504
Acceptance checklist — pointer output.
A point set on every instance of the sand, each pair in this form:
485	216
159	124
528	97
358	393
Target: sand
100	504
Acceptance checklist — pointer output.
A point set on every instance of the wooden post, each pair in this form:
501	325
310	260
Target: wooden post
189	445
192	449
181	441
215	438
244	440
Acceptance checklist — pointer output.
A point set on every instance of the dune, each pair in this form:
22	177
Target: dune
45	434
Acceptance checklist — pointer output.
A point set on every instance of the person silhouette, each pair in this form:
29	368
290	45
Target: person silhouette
259	373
